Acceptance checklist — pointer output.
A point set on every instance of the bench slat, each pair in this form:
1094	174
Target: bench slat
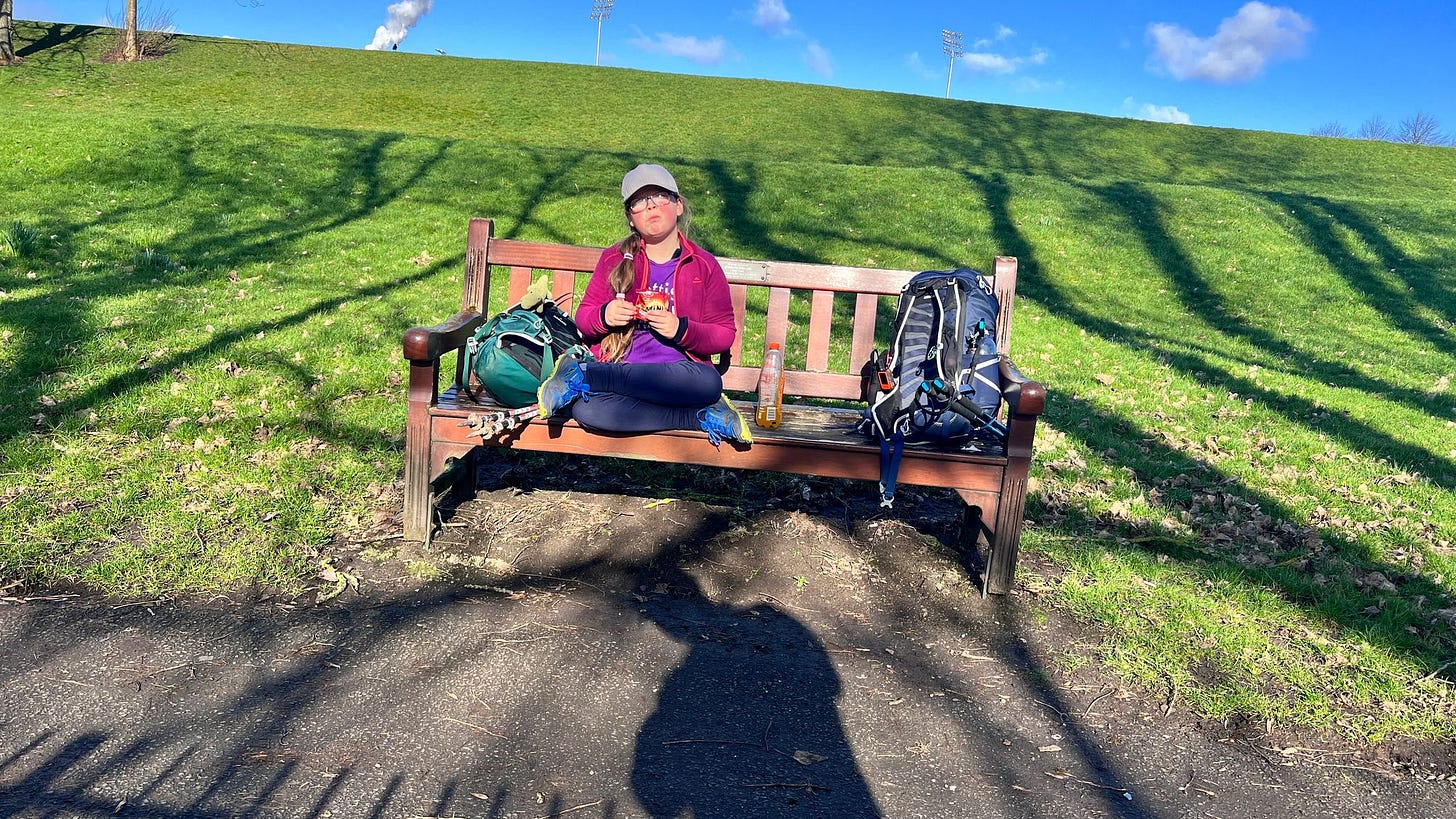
839	386
519	281
516	253
776	324
862	341
477	266
805	276
822	385
1005	287
836	454
563	290
739	293
821	317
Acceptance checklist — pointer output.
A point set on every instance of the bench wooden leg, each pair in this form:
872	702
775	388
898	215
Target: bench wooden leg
1006	540
977	521
417	455
1006	544
417	495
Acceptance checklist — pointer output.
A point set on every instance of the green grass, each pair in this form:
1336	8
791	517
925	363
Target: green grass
1246	477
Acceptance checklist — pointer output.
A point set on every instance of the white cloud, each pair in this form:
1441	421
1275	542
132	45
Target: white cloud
917	66
1002	33
988	63
1028	85
1238	52
772	17
1155	113
705	52
1164	113
983	62
818	60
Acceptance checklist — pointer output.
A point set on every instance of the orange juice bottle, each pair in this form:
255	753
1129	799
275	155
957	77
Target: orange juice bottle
771	388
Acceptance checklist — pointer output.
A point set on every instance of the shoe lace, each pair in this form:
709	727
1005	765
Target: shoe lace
715	426
576	382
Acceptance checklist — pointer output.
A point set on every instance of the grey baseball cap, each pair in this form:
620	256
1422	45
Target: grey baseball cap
647	175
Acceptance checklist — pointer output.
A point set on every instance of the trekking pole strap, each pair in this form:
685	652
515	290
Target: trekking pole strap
891	450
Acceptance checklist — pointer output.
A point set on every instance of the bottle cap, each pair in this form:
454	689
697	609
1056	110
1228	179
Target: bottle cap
773	345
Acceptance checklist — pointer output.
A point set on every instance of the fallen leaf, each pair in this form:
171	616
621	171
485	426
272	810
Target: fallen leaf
808	758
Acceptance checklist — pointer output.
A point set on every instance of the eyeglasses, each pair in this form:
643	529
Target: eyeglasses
656	200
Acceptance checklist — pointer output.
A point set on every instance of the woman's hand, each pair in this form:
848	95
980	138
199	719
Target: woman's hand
620	313
662	322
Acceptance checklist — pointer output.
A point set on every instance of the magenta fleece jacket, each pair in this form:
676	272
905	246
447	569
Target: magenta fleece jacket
700	293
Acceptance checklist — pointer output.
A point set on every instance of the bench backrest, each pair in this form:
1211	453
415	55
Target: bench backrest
865	285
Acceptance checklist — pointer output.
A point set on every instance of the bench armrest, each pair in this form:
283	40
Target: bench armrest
1023	396
429	343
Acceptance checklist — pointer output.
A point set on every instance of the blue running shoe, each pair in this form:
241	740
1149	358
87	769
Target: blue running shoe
566	384
722	420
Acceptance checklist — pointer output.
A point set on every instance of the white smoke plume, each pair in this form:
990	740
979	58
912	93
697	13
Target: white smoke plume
402	17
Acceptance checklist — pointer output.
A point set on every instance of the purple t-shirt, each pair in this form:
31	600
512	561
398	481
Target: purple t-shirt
646	346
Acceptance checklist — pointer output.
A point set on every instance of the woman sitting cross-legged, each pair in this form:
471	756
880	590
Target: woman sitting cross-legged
656	309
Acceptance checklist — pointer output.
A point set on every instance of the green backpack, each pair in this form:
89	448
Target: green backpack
513	352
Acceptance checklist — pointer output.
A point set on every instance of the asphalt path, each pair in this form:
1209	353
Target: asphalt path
624	676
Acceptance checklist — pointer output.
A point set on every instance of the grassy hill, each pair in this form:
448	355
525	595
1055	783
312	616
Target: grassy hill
1248	475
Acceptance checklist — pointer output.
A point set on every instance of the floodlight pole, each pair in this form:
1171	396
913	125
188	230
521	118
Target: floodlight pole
953	46
601	10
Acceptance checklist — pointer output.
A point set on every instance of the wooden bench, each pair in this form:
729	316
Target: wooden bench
443	435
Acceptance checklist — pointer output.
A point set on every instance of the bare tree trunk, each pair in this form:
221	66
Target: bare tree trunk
7	26
129	50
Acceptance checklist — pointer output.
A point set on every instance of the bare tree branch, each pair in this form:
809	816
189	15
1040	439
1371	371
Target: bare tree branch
1374	128
1420	129
1330	129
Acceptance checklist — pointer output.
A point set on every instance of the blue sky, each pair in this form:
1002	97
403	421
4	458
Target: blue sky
1268	66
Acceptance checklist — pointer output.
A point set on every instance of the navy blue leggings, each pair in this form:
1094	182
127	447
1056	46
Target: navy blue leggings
646	397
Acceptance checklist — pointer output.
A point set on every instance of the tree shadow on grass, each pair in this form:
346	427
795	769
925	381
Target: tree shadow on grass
1401	620
1395	286
63	328
1196	293
53	37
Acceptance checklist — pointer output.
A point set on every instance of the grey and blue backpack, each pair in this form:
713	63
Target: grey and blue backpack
940	380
